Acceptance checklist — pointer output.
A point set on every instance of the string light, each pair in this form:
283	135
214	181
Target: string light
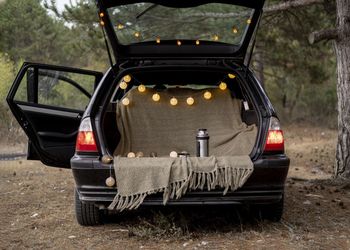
137	34
131	155
173	101
102	14
197	42
158	40
216	38
102	23
207	95
178	42
126	101
110	182
120	26
123	85
190	101
156	97
234	30
249	21
173	154
222	85
141	88
127	78
231	76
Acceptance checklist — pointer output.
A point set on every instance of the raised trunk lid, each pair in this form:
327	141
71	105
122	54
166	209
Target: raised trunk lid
180	29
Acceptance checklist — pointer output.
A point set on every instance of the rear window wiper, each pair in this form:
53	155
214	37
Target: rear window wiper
146	10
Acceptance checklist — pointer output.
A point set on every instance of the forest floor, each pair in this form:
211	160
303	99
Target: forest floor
36	210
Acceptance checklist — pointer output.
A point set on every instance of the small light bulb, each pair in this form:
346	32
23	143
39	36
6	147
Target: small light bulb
126	101
158	40
216	38
120	26
207	95
139	154
222	85
173	101
110	181
141	88
137	34
131	155
173	154
234	30
102	23
102	14
249	21
178	42
123	85
190	101
156	97
127	78
231	76
198	42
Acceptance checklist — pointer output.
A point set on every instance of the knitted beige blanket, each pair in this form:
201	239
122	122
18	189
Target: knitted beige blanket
138	177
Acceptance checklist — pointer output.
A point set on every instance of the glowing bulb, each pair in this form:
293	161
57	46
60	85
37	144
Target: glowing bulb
102	14
120	26
207	95
190	101
156	97
234	30
141	88
127	78
216	38
178	42
110	182
197	42
123	85
137	34
158	40
131	155
173	101
231	76
126	101
173	154
249	21
102	23
222	85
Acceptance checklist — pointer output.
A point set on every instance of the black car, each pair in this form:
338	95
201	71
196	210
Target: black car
182	53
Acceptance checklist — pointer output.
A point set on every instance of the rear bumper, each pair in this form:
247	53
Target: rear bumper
264	186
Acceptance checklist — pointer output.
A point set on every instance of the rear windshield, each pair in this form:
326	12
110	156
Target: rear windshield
148	22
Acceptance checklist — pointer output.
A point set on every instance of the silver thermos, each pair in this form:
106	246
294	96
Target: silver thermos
202	140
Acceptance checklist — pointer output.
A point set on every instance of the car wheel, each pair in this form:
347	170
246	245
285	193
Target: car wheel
87	214
272	212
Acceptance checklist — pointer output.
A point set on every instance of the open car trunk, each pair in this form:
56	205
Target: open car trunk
158	127
171	124
158	113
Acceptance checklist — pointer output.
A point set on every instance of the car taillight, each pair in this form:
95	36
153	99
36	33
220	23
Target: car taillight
275	139
86	140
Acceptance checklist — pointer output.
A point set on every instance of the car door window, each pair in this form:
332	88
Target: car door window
59	89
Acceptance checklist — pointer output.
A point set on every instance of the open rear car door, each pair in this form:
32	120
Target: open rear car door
48	102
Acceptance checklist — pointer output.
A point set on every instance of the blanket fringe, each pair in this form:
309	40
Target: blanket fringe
229	178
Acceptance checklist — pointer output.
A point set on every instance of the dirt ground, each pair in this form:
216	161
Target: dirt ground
36	210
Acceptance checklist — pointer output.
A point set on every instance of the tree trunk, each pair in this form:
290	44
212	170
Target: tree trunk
342	48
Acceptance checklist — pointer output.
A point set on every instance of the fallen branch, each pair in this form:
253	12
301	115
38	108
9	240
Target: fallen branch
317	36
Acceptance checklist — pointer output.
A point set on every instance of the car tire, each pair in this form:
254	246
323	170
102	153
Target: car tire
272	212
87	214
